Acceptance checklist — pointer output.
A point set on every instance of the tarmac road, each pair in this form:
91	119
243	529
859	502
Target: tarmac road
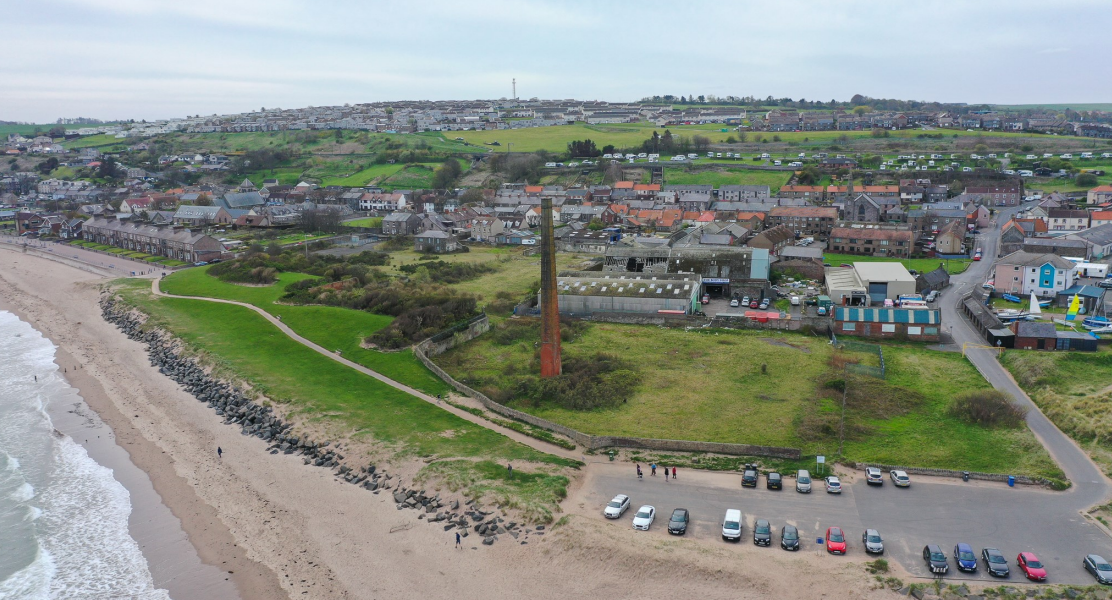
932	511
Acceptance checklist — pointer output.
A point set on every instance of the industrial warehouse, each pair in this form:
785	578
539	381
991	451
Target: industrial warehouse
583	293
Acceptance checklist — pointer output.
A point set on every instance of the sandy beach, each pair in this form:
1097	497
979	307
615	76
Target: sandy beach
279	529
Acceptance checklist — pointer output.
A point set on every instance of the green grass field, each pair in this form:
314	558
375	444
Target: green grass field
709	385
1073	389
720	177
367	222
331	327
923	265
364	177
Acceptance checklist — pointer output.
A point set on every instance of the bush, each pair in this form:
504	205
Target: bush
988	408
446	272
586	383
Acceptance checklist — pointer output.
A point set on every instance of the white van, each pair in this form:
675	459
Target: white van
803	481
731	525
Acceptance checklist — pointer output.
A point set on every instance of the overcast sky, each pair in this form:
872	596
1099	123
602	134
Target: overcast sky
149	59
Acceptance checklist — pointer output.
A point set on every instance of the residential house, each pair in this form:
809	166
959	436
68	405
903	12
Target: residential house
201	216
1099	195
400	224
951	239
485	228
804	220
435	241
1067	219
773	239
1022	273
383	202
998	195
593	242
881	240
753	221
1055	245
1098	239
135	205
744	193
173	242
933	220
809	192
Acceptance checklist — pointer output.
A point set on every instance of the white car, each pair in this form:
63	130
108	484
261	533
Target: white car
900	479
873	476
644	517
795	300
616	507
833	486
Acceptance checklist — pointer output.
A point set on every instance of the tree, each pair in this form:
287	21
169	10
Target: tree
583	149
472	196
320	218
47	165
107	168
596	224
700	143
609	148
860	110
203	200
1086	180
809	175
446	174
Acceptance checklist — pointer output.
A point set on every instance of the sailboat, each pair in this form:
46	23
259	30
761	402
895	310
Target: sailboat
1036	306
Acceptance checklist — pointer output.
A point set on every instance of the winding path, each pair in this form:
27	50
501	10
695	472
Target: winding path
536	444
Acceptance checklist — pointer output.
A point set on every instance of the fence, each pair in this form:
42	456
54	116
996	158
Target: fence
950	473
852	346
463	332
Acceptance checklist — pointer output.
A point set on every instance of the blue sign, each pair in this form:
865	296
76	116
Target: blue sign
715	280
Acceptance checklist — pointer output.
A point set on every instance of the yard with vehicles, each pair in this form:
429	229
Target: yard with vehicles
922	265
737	387
318	391
1073	389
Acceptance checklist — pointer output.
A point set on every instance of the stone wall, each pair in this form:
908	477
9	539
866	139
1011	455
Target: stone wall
591	442
949	473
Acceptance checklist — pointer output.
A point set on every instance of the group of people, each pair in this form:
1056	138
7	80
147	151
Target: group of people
652	473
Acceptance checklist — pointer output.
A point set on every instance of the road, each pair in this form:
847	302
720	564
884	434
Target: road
109	265
932	511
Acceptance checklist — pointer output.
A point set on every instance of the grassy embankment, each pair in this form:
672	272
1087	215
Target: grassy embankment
1073	389
366	222
923	265
329	326
727	176
775	389
316	390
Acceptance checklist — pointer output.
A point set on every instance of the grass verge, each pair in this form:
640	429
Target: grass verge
535	495
923	265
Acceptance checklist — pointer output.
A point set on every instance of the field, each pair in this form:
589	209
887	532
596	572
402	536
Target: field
331	327
366	222
720	177
1073	389
364	177
923	265
746	387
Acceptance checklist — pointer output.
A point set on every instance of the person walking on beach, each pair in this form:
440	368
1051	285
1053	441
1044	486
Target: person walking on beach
459	542
652	468
673	472
219	452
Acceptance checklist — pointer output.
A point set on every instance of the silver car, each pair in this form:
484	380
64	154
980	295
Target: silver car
872	542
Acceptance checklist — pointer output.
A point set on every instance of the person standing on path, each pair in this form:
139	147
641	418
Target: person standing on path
639	472
666	474
510	468
219	452
652	472
673	472
459	543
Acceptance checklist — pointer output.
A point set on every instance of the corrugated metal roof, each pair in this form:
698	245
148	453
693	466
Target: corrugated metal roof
915	316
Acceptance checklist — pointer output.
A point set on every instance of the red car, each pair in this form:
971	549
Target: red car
836	541
753	303
1031	566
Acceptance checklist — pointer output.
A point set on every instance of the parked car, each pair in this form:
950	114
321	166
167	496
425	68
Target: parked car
835	540
706	298
900	478
644	517
733	303
677	525
789	538
935	559
749	478
931	296
874	476
731	525
995	563
964	558
872	542
762	533
774	481
764	304
803	482
1031	566
753	303
833	486
1099	568
795	300
616	507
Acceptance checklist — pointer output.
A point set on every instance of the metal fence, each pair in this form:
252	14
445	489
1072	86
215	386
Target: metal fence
852	346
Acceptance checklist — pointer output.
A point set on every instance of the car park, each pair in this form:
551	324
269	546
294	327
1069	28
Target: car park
762	533
677	525
964	558
995	563
833	485
935	559
803	482
789	538
899	478
1031	566
872	542
774	481
749	478
835	541
644	517
616	507
731	525
1099	568
874	476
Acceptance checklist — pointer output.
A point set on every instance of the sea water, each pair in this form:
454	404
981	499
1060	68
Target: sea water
63	517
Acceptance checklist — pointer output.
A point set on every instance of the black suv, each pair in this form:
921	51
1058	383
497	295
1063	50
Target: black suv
762	533
774	481
749	478
995	563
678	523
935	559
789	538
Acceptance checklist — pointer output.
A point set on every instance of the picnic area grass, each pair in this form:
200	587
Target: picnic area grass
727	176
1074	390
770	388
314	389
332	327
923	265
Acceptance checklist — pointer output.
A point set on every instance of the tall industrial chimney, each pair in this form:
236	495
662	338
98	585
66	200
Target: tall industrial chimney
550	308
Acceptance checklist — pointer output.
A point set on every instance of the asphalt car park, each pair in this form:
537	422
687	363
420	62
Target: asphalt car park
931	511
